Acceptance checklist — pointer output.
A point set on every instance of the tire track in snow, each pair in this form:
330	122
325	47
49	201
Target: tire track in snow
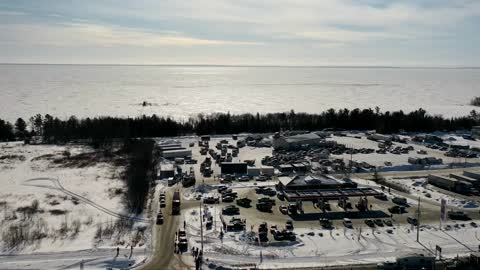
58	186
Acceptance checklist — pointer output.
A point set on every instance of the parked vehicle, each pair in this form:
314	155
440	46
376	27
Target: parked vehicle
227	199
289	225
267	200
412	220
400	201
369	223
244	202
347	223
231	210
458	215
269	192
264	207
210	200
388	222
396	209
378	222
381	196
326	223
159	219
283	209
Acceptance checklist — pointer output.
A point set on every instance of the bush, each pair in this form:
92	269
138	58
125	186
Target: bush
76	225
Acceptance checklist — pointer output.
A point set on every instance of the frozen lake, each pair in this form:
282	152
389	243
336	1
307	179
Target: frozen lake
184	91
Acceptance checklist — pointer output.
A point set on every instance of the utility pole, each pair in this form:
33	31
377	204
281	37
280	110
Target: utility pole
201	227
418	221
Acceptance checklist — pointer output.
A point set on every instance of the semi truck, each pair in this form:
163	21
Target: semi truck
176	203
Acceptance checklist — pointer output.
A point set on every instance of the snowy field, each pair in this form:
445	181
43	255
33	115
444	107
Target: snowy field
67	200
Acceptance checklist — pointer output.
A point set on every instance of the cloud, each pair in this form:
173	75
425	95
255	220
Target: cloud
87	34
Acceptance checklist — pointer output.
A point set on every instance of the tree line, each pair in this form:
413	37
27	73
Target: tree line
54	130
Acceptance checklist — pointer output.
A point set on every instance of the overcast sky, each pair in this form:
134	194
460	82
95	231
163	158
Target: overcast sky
242	32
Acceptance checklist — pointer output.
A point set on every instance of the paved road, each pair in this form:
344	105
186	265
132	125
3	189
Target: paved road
163	256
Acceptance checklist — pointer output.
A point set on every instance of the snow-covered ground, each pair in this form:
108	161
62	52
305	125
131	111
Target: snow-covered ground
399	162
420	188
64	200
319	247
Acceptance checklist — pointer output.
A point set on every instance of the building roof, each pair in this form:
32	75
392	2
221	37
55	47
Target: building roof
303	180
166	167
302	137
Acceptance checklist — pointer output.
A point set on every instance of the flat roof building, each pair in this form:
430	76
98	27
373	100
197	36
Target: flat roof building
308	182
296	141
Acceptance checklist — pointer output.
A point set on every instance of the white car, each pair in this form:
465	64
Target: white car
347	223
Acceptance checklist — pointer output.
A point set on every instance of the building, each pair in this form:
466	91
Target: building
253	171
379	137
233	168
308	182
267	170
450	184
165	171
285	169
300	168
178	153
475	182
471	174
296	141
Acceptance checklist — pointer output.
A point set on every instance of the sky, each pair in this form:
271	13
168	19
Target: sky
432	33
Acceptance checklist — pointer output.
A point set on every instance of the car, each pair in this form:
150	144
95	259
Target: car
231	210
289	225
283	209
400	201
210	200
326	223
388	222
347	223
266	200
159	219
162	204
259	190
269	192
378	222
244	179
396	209
458	215
244	202
381	196
412	220
227	199
369	223
261	178
221	188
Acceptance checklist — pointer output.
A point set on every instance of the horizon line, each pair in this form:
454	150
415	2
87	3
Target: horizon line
246	65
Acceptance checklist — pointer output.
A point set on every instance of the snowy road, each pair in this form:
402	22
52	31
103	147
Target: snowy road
92	258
